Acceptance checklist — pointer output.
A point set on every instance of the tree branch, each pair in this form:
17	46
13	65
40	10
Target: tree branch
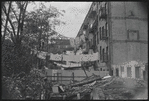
9	21
5	27
22	23
18	30
23	16
14	13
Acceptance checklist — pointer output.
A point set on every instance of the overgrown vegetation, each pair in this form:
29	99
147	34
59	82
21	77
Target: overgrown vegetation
21	31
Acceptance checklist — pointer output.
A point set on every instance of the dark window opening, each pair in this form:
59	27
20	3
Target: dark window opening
107	50
106	29
103	51
100	53
102	31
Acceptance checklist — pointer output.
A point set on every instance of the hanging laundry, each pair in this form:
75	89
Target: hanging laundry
56	57
42	55
94	56
85	58
66	58
76	58
71	57
68	66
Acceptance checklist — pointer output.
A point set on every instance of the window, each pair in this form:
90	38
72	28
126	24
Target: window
106	27
97	38
107	50
122	68
103	51
100	53
106	8
100	32
103	31
133	35
100	69
99	13
91	42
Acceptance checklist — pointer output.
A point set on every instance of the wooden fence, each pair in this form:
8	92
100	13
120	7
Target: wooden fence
64	79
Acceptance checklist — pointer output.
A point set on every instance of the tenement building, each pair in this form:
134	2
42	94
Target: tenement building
118	31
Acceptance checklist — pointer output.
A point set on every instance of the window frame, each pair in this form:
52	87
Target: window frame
132	31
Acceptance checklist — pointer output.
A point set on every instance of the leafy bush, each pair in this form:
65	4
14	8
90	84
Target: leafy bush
18	87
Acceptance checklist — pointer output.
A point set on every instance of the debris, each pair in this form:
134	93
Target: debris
105	88
86	81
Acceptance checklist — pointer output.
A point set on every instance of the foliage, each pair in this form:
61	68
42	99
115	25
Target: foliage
23	30
18	25
11	62
23	85
40	23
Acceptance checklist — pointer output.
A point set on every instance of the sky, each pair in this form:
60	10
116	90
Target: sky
74	15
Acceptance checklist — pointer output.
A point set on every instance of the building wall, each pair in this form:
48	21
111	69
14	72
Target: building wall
119	53
102	43
128	16
122	49
122	18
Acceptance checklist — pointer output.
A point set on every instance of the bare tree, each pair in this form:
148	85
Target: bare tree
14	21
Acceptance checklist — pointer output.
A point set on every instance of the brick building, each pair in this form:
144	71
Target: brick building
119	32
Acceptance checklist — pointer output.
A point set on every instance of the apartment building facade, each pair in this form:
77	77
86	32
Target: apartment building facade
119	32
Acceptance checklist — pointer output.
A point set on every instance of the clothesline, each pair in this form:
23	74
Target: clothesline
70	58
69	65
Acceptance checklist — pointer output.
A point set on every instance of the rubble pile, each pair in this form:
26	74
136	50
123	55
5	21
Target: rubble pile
85	86
116	88
124	88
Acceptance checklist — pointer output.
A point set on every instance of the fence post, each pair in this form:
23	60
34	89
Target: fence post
73	76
